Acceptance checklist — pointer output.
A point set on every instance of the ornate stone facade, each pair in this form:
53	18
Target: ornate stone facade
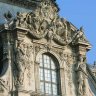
42	31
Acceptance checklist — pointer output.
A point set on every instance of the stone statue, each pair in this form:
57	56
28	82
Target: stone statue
81	71
60	31
36	26
47	10
21	19
50	34
20	64
23	61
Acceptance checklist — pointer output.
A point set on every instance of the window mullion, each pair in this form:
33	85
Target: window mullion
43	73
51	77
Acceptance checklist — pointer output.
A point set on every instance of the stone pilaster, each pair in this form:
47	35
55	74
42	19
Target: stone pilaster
37	79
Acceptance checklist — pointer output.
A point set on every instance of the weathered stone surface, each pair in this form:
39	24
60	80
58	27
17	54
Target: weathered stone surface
28	36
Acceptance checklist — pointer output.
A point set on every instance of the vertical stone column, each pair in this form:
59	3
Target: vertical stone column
63	81
63	85
37	80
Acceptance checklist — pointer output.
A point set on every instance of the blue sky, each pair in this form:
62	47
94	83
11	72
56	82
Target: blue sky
82	13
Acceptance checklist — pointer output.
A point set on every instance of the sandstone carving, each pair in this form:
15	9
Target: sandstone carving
23	61
81	72
31	37
3	85
79	37
20	63
36	27
41	22
21	20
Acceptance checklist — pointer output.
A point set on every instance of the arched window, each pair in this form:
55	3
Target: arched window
49	75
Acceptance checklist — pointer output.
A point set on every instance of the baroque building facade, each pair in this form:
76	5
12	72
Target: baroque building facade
42	54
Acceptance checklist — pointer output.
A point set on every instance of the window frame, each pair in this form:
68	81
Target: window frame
56	71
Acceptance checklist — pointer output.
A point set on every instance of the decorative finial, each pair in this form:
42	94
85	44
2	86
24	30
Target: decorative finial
8	16
81	29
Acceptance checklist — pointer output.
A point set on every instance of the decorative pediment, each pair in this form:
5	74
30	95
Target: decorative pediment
44	22
41	26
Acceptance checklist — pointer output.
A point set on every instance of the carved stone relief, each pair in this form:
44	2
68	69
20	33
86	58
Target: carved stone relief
81	73
21	20
69	72
3	85
45	21
37	26
79	37
60	31
23	61
1	88
29	60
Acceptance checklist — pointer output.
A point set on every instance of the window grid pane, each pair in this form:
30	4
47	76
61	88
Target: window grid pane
54	76
40	61
42	86
48	88
54	89
46	61
41	74
48	75
52	65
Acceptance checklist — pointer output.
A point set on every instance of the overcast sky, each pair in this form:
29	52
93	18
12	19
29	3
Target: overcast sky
82	13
